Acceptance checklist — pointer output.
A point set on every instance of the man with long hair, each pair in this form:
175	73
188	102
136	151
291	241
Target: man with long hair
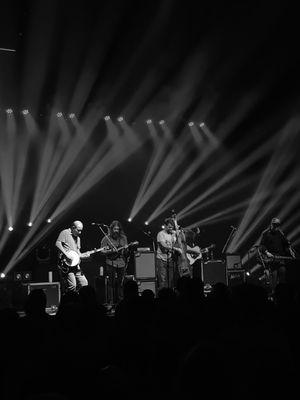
115	261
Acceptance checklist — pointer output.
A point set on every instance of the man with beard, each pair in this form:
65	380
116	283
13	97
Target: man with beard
115	260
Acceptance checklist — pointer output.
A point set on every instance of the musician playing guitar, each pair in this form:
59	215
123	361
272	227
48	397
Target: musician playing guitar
115	260
275	248
68	241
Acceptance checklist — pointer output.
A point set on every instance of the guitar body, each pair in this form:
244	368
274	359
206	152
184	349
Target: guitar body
194	254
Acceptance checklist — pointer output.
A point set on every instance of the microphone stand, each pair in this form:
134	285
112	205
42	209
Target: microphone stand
229	239
152	239
113	271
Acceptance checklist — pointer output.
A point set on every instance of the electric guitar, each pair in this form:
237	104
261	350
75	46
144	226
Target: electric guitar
276	259
72	261
195	253
116	253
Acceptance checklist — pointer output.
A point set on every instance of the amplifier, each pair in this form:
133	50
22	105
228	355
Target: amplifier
52	291
236	277
144	265
233	261
213	271
144	284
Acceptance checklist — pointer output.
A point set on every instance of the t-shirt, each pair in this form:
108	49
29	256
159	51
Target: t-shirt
169	238
69	241
115	259
275	242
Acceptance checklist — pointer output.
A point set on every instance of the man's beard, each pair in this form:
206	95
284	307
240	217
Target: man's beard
116	235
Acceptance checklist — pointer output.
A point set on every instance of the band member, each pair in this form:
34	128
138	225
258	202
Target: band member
115	259
274	243
69	239
166	266
192	241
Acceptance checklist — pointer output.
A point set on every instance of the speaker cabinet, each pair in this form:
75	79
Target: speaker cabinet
233	261
144	265
52	291
236	277
147	284
213	271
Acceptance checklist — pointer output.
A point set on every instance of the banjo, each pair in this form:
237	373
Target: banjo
73	259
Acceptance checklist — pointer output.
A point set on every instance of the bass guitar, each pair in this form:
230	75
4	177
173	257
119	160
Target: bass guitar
72	261
195	253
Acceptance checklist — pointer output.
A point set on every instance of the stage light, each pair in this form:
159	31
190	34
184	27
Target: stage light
191	123
59	114
202	124
25	112
129	219
72	115
2	275
149	121
107	117
161	122
29	224
248	273
146	223
9	111
120	119
163	226
10	228
49	220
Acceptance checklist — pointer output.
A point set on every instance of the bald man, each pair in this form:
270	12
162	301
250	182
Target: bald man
69	239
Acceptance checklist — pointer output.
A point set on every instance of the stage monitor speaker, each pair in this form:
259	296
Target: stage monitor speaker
52	291
213	271
144	265
233	261
144	284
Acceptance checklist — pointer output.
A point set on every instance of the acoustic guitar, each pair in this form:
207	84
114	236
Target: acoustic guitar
195	253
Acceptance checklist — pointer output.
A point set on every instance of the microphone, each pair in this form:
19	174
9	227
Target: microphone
232	227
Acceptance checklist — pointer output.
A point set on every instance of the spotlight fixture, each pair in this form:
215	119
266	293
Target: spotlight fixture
149	121
29	223
129	219
191	123
25	112
107	117
161	122
59	114
120	119
9	111
49	220
71	115
2	275
10	228
146	223
201	124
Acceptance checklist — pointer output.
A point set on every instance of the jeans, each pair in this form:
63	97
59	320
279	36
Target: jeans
73	281
166	272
